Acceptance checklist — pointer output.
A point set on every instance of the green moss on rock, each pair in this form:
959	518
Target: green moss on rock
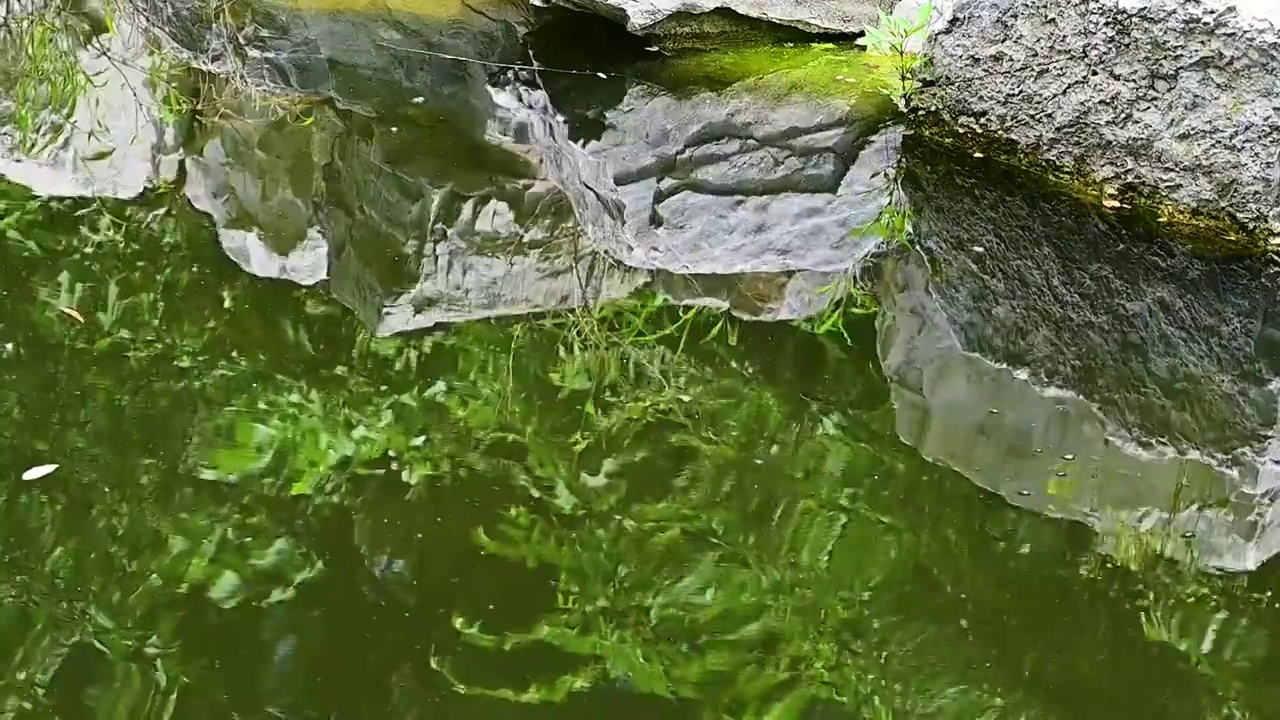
1203	232
812	70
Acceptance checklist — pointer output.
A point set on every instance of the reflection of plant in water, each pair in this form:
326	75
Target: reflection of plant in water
1211	620
847	298
712	538
680	593
40	73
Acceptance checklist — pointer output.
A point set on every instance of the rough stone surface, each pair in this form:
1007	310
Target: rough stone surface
1084	367
719	185
838	16
1177	96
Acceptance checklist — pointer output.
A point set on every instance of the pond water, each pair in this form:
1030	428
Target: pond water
305	491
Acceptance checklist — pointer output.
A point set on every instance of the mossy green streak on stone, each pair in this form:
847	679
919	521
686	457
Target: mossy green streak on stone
812	70
1203	232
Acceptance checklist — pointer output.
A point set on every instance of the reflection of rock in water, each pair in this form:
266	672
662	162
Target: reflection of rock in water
730	192
1164	398
840	16
412	222
417	217
442	209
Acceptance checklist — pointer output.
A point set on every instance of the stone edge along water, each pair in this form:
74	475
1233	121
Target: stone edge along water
825	16
1180	98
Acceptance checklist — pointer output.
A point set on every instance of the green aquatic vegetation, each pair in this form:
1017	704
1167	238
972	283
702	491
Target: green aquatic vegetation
140	352
723	506
41	75
848	298
715	567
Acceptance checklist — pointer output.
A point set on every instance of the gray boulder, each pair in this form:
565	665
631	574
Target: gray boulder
833	16
733	196
1180	97
1085	367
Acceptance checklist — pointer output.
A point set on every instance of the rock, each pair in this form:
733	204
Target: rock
113	139
1180	97
411	222
831	16
1072	334
368	57
744	200
452	203
415	218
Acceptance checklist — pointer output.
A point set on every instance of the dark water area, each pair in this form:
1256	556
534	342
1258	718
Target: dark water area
280	492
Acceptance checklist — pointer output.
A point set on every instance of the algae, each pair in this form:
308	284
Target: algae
813	70
1202	232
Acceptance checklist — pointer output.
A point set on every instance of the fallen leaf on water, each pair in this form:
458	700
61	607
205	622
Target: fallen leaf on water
39	471
73	314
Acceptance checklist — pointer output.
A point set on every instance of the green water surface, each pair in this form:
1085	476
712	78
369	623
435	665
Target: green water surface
262	511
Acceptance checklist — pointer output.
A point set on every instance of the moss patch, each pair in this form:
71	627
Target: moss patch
823	70
1202	232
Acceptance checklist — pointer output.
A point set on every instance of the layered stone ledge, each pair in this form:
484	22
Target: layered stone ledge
1175	98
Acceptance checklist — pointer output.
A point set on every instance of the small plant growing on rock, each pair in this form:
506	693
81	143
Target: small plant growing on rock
899	38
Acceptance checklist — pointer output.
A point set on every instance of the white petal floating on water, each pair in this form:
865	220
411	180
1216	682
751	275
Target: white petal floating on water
73	314
39	471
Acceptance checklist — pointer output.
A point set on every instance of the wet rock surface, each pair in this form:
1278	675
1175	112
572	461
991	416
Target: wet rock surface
840	16
1174	96
747	201
1081	366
